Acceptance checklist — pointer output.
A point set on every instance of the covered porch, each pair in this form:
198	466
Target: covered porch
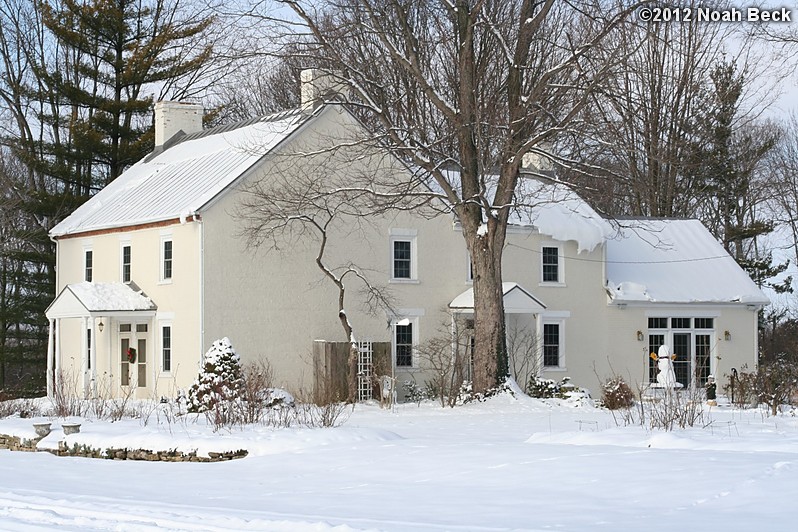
86	321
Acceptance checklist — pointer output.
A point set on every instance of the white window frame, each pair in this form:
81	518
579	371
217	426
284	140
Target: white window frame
560	264
668	333
404	235
122	245
412	316
86	269
162	278
561	345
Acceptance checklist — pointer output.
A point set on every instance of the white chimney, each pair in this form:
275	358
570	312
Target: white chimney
538	160
317	85
172	117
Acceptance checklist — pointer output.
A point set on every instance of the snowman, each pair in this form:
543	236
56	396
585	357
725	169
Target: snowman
666	378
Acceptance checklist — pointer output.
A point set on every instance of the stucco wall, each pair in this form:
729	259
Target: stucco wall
273	303
178	303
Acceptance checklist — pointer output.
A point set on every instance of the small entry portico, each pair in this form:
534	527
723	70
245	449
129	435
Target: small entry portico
92	313
518	303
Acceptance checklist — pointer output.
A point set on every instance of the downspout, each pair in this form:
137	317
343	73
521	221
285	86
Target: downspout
198	219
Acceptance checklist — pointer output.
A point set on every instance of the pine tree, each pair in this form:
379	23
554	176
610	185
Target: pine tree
121	47
726	158
77	80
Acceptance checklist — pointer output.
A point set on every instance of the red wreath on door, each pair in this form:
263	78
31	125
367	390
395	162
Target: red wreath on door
131	354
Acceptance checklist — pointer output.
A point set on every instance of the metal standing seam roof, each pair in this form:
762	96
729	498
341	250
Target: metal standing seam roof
675	261
179	180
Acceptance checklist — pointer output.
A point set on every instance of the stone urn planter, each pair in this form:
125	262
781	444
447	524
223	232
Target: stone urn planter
42	429
70	428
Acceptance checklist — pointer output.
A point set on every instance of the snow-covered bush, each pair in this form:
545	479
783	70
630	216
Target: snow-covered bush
616	394
413	392
220	379
542	388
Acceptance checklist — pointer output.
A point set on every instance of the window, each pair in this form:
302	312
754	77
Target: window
88	275
551	345
403	255
403	343
658	323
166	260
551	265
680	323
88	347
126	263
401	259
166	348
689	340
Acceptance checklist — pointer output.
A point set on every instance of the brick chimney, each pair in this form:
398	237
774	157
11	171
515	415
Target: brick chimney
173	117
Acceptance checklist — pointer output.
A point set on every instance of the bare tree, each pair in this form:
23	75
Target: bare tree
642	121
289	206
461	91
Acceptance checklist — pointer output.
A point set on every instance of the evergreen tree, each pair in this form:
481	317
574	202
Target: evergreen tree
77	78
121	47
728	157
219	381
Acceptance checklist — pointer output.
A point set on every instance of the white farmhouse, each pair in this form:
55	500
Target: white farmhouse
153	269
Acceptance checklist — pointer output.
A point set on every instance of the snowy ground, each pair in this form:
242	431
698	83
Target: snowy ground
507	464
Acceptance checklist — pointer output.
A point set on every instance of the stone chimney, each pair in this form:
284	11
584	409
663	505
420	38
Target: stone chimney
316	86
173	117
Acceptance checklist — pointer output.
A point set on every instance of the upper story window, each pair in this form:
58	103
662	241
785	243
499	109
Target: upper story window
401	259
126	258
89	266
166	260
126	263
403	255
550	265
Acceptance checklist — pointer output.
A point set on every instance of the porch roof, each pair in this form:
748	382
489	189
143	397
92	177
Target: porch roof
517	300
89	299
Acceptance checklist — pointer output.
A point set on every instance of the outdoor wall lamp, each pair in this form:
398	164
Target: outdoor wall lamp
640	336
726	335
101	325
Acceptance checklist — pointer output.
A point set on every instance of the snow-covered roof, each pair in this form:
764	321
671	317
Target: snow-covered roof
84	298
675	261
556	210
178	181
550	207
517	300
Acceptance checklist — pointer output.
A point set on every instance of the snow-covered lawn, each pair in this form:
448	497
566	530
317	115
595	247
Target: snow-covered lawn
506	464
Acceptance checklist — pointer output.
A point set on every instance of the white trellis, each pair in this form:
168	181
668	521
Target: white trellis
365	359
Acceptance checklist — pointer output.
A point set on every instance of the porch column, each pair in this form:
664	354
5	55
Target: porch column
84	354
539	337
50	354
57	342
93	357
